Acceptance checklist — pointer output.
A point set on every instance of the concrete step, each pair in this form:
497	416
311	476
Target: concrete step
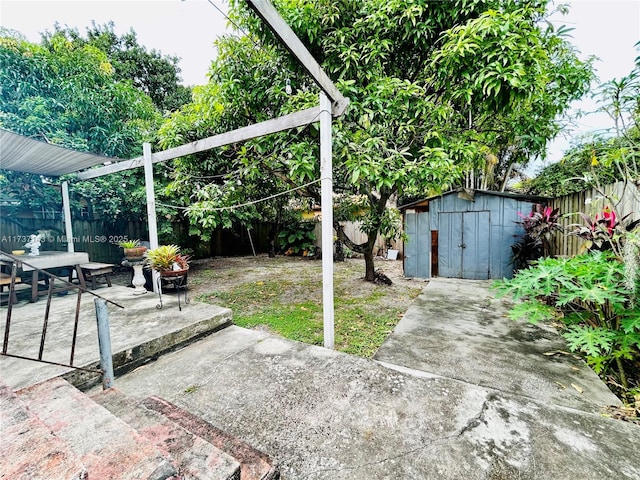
255	465
140	333
28	449
106	445
194	458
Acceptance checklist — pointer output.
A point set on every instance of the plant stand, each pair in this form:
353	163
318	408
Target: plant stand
138	281
177	279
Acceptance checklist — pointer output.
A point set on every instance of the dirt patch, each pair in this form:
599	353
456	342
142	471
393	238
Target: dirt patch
284	296
302	276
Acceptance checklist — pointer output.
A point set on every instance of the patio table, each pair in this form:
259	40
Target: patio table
47	260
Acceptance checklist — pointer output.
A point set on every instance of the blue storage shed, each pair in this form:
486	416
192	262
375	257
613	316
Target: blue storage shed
464	234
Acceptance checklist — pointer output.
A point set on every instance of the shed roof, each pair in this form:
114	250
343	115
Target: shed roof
470	193
25	154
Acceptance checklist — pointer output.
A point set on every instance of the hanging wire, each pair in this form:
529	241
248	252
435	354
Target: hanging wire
246	204
253	202
238	27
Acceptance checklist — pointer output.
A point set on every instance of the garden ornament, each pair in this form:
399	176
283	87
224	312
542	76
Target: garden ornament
34	244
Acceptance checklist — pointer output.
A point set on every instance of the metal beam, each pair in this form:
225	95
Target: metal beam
326	189
293	120
270	16
68	224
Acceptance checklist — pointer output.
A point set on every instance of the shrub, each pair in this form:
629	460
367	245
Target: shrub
587	294
297	238
539	227
605	231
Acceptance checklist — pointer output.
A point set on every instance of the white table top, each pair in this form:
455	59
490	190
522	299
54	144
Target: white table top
50	259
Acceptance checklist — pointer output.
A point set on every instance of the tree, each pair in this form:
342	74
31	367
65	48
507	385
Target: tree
406	131
578	170
66	94
607	157
151	72
512	77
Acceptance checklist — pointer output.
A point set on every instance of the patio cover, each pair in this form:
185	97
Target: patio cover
24	154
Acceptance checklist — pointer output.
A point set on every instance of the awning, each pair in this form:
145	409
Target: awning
24	154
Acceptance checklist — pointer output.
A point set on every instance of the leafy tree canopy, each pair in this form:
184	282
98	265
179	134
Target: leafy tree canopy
66	94
151	72
607	157
437	89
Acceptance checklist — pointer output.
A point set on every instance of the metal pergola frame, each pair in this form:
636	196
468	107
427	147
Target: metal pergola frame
331	103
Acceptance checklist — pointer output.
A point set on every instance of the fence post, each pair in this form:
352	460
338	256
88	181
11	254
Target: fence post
104	343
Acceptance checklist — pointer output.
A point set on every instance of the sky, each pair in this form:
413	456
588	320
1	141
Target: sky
187	29
181	28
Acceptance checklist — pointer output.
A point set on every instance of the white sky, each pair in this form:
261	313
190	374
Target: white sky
181	28
187	29
608	29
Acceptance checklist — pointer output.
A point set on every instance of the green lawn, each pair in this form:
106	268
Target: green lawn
289	303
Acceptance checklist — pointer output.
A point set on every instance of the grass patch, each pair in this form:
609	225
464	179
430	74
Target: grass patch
364	314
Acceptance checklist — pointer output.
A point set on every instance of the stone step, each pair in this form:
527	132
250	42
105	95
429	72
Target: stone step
107	447
255	465
28	449
194	458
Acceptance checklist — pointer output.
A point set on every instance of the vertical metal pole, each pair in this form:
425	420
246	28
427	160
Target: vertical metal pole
151	205
326	185
12	287
66	208
104	343
251	242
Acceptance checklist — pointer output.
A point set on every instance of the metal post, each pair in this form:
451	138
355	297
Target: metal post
326	186
104	343
68	228
251	241
151	205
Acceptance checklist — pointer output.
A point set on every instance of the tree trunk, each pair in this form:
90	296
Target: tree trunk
365	249
339	255
370	268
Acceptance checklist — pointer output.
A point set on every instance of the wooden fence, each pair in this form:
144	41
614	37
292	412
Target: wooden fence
622	197
352	229
100	238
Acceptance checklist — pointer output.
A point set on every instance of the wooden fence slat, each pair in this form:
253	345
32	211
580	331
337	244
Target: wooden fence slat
625	198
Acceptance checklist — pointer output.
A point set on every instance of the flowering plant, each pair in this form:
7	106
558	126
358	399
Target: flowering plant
605	231
539	227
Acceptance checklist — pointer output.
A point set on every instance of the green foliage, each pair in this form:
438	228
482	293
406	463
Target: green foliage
406	67
578	170
129	243
150	72
605	231
66	93
511	76
600	316
92	94
162	258
539	227
297	237
607	157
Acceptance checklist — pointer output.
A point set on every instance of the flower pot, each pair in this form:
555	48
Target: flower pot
173	273
134	253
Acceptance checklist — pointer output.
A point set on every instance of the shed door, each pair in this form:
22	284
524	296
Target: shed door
416	250
464	249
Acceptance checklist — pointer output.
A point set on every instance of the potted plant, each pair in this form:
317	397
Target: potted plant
133	250
167	260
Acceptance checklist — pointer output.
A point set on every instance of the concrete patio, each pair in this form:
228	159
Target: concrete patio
456	391
139	333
